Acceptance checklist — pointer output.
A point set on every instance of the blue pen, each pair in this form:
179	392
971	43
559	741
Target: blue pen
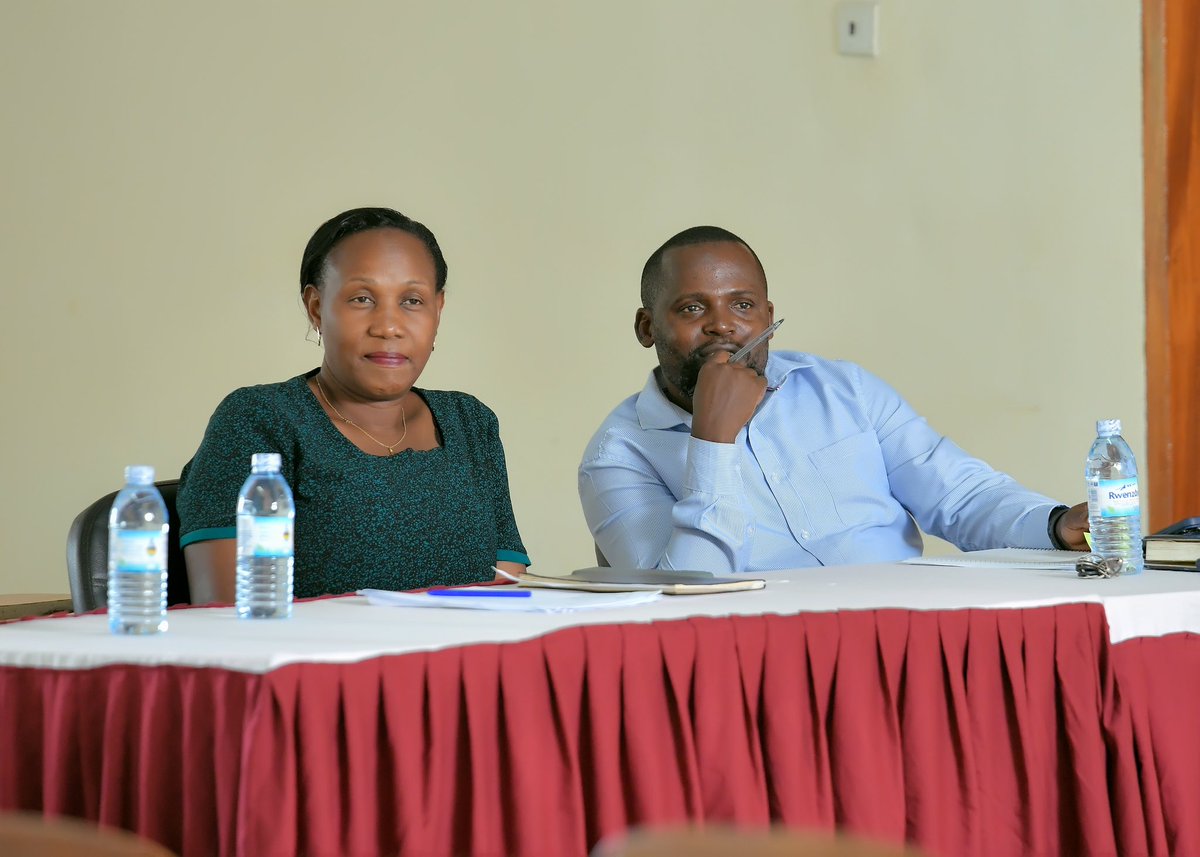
483	593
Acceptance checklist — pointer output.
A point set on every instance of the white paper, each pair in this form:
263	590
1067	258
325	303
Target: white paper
1033	558
540	601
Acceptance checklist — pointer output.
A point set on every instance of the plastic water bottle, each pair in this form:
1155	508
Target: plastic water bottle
137	556
1114	507
266	517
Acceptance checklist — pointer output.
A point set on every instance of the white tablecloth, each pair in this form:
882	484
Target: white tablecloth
342	630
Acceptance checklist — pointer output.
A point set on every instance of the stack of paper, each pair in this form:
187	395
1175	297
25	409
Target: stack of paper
670	582
542	601
1053	560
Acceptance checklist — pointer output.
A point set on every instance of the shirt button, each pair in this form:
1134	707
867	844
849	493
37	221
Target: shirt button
750	529
774	477
804	534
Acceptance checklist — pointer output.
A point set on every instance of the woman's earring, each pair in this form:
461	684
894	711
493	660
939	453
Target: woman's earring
309	334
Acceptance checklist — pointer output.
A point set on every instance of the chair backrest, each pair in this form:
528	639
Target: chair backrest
28	835
87	553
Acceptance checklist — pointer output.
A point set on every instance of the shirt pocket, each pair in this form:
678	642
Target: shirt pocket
855	476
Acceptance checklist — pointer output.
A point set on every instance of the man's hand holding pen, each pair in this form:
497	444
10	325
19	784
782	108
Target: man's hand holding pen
728	391
726	395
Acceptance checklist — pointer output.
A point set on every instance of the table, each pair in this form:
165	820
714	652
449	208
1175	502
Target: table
971	711
18	606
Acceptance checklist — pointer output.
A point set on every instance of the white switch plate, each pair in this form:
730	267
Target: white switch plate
858	28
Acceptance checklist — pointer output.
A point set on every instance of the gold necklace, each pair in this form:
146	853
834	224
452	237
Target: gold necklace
390	448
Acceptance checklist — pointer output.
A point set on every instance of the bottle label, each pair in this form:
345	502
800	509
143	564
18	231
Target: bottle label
140	552
265	537
1118	498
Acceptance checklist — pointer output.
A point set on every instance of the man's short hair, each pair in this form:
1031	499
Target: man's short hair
652	273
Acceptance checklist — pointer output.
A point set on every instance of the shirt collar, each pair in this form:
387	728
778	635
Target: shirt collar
656	411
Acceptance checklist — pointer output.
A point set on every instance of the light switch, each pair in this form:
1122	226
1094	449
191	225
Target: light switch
858	28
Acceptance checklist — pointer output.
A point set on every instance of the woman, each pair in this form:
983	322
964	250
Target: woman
396	487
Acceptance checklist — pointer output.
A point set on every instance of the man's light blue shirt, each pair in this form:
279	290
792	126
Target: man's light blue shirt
834	468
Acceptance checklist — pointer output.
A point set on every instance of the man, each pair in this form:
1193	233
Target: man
782	460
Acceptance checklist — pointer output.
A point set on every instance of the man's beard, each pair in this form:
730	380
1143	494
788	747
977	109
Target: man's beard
689	372
689	369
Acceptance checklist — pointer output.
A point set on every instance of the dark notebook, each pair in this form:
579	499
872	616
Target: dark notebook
1176	547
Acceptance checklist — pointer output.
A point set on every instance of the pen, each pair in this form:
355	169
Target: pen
755	342
483	593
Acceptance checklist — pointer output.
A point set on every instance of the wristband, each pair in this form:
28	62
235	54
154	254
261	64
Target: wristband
1052	527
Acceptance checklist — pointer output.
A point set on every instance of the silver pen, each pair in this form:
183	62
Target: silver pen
755	342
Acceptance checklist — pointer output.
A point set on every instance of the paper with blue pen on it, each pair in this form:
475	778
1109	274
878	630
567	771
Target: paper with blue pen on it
542	601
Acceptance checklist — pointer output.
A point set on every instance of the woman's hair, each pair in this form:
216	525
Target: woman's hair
332	231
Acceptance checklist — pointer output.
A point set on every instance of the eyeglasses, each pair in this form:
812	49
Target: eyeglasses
1094	565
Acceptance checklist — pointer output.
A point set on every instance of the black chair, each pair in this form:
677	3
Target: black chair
87	553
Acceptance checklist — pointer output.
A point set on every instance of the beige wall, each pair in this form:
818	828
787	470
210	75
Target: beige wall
953	215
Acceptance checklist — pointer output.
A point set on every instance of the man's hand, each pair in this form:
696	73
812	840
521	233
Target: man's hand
725	398
1072	525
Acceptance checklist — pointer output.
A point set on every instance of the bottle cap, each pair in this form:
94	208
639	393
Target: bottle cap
1107	428
139	474
265	462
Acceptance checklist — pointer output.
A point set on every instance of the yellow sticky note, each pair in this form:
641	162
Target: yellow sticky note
1088	538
